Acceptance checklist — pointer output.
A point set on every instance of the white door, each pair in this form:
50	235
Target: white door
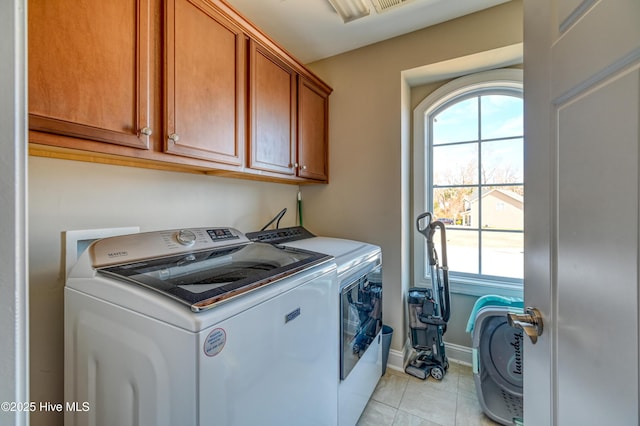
14	290
582	110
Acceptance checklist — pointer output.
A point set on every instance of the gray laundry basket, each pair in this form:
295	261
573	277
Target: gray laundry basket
497	359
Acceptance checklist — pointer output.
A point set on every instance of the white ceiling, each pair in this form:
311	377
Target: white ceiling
312	30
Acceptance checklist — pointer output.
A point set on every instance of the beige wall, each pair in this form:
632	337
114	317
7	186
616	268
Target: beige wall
66	195
368	197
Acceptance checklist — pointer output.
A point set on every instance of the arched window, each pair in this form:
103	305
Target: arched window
468	171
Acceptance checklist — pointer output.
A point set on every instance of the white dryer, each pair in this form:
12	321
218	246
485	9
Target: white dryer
360	299
200	327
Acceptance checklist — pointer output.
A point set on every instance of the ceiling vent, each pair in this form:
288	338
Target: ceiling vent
351	10
384	5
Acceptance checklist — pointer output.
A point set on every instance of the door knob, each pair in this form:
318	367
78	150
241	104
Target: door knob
530	322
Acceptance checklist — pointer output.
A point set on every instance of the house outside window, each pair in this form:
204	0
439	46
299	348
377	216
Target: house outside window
468	163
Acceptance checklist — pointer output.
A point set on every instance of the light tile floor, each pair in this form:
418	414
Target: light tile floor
404	400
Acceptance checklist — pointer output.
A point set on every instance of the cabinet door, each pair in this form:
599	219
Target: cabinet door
313	121
89	69
205	83
272	89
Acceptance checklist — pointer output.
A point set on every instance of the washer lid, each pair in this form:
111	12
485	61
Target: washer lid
202	279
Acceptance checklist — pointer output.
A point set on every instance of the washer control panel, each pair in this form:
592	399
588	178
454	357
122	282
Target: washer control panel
186	237
222	234
148	245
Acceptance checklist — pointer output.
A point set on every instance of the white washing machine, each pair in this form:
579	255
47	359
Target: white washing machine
360	298
200	327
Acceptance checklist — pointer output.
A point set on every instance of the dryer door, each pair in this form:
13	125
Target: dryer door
361	318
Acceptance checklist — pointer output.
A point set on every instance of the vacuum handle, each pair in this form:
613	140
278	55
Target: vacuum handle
442	286
445	300
424	230
428	230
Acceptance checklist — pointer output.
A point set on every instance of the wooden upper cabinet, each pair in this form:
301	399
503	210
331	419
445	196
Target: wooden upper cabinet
184	84
89	70
313	130
205	83
272	89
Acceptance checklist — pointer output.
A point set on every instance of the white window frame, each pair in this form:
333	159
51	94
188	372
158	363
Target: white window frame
511	79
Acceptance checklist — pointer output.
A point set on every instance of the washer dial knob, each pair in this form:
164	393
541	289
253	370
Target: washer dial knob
186	237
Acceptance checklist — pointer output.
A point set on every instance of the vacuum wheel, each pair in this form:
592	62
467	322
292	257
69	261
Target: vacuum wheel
437	373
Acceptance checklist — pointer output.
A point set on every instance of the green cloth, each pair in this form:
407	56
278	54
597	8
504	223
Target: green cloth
493	300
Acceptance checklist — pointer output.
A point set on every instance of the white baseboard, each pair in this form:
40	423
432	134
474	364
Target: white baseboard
395	360
458	353
455	353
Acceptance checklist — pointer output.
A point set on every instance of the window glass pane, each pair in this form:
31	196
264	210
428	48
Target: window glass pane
502	161
503	254
462	250
501	116
502	208
476	181
457	123
455	164
449	205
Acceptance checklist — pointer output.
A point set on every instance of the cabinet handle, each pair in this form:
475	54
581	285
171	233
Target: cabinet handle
304	167
295	165
146	131
174	137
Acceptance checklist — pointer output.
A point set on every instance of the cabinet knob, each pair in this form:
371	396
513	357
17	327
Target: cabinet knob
304	167
146	131
295	165
174	137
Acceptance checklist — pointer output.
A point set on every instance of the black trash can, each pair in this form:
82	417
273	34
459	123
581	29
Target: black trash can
387	333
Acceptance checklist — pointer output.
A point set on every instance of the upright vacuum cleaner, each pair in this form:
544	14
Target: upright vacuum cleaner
429	308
